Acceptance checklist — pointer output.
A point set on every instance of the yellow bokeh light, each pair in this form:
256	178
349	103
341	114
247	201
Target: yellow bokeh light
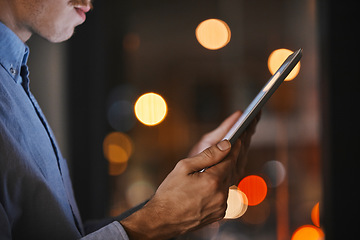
237	203
213	34
150	109
308	232
277	58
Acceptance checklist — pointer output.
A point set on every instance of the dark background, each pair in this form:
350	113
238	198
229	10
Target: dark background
309	124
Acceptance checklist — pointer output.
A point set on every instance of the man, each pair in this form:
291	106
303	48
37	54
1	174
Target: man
36	197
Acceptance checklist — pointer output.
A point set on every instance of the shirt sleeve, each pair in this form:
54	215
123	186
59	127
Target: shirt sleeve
112	231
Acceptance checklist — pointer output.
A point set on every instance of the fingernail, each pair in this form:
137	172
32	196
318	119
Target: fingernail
224	145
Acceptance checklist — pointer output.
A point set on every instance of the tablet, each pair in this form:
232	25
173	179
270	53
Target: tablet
270	87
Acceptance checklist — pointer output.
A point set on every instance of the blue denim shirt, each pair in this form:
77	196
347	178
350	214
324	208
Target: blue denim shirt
36	196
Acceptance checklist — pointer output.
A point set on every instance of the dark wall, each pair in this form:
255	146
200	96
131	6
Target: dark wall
95	56
339	40
96	65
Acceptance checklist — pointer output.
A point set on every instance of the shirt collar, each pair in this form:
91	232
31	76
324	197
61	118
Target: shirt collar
13	52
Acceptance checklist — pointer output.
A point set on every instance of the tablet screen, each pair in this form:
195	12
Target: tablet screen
254	107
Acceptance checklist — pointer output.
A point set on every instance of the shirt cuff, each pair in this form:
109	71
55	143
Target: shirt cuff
112	231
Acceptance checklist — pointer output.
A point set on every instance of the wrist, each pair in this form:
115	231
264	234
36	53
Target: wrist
136	227
144	224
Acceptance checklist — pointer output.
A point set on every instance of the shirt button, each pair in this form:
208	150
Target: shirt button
12	71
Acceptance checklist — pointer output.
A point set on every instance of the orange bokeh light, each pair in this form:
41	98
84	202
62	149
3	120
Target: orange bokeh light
117	149
116	169
308	232
255	189
315	215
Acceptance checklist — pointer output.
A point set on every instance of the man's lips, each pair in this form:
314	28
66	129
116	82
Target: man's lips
82	10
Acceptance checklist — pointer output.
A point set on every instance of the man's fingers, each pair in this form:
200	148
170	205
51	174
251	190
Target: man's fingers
216	135
253	124
225	126
228	167
207	158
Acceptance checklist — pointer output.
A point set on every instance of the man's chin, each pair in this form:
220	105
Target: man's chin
61	38
57	37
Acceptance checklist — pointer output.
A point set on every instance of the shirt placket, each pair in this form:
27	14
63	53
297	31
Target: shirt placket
24	73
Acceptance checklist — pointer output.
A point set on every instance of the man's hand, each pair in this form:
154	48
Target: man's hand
240	148
189	199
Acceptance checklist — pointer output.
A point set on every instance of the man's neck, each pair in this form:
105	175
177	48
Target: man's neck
8	18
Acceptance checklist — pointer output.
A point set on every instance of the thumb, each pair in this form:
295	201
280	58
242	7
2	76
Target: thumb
209	157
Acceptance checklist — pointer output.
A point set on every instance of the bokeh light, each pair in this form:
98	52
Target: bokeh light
139	192
237	203
120	107
116	153
277	58
213	34
255	189
150	109
120	115
308	232
315	215
117	148
275	171
116	169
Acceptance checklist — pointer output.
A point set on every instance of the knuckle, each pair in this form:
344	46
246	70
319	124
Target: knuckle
208	153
